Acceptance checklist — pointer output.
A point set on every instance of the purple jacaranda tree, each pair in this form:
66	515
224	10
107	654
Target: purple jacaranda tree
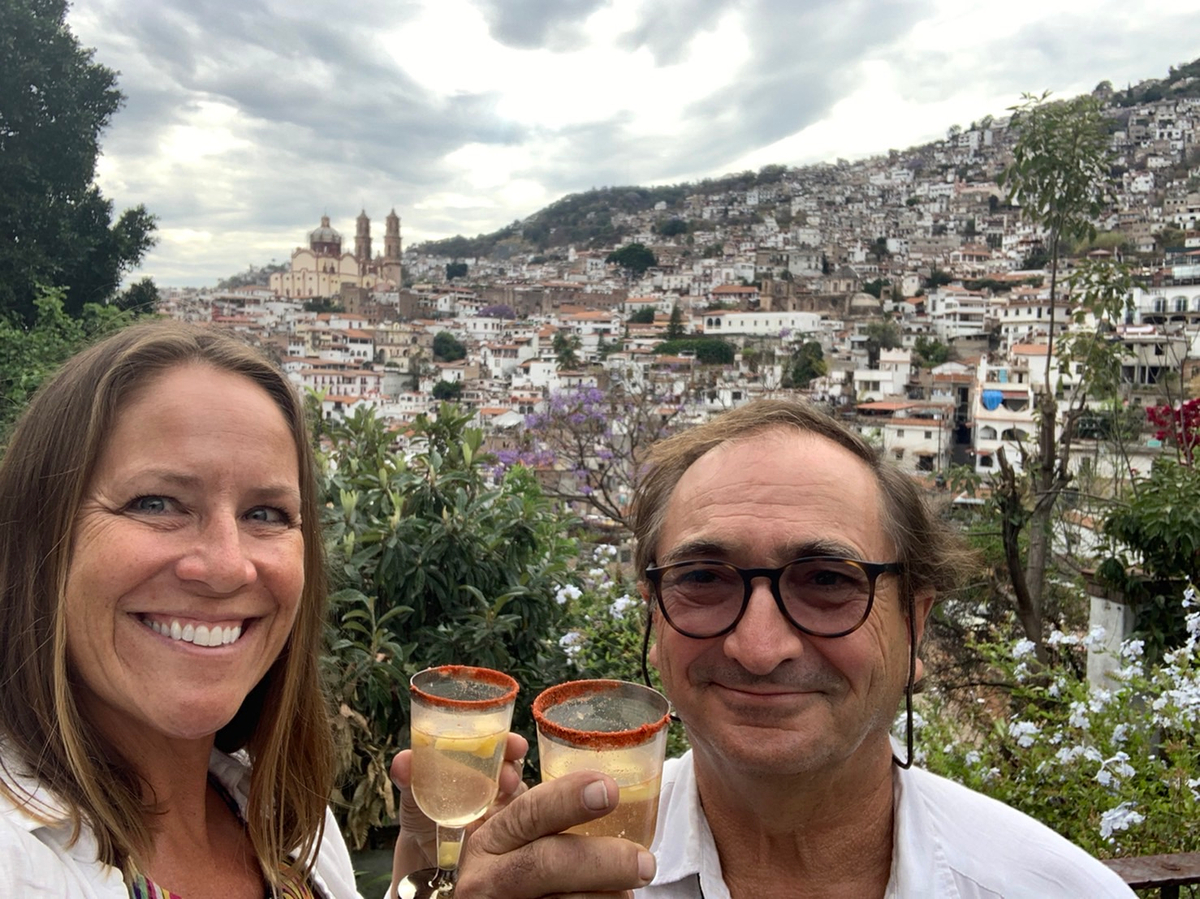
498	310
588	444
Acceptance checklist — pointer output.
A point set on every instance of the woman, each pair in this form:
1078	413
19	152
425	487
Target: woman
162	607
163	732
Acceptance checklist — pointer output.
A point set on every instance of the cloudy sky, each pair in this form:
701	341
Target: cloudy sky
246	120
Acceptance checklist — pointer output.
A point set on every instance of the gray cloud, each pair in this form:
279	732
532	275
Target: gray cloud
526	24
327	120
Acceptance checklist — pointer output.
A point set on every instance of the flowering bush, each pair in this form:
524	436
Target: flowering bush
1178	426
607	616
1115	770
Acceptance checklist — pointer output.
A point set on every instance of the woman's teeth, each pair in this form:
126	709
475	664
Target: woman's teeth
200	634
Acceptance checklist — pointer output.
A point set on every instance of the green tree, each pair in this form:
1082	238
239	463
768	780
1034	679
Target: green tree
1060	178
447	347
673	227
808	363
882	334
643	316
56	228
675	328
708	350
455	270
432	563
447	391
566	350
635	258
29	353
937	278
931	351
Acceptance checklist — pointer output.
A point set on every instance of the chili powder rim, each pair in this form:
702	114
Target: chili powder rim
591	739
486	675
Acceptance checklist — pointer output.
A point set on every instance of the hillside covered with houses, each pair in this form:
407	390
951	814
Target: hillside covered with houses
905	291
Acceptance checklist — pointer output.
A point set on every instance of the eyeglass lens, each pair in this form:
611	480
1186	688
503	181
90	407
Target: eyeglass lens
820	595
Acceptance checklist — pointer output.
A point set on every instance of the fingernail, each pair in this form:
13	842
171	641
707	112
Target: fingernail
646	866
595	796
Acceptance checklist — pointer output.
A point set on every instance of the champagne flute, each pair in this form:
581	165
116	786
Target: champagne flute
460	719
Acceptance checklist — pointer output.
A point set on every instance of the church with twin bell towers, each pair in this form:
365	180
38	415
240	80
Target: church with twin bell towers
321	269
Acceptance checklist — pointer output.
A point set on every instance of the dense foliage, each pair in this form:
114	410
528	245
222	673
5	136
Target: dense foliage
433	563
56	228
1115	770
30	353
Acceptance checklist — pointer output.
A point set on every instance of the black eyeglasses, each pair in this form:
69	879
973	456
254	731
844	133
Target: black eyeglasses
824	596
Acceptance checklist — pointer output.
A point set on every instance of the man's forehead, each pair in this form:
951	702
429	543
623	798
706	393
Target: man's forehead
792	477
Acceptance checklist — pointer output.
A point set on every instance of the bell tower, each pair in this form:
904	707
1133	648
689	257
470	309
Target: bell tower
362	242
391	237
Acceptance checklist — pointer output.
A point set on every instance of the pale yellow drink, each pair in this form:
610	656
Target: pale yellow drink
455	775
611	726
460	718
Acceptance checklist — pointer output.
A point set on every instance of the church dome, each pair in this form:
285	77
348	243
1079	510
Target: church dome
324	234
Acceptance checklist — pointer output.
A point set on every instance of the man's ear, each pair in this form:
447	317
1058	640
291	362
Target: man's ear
922	606
652	652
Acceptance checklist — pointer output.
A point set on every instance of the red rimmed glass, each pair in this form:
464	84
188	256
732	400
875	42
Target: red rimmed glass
460	718
613	726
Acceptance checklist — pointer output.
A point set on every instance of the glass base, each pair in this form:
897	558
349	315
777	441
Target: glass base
425	884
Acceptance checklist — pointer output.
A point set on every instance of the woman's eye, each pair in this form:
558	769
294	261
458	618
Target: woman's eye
269	514
151	505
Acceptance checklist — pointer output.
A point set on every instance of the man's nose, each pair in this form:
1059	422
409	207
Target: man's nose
764	638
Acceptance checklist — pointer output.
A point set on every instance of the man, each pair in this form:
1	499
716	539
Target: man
791	574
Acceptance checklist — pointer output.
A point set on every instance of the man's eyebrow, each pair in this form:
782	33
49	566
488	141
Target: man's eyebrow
719	551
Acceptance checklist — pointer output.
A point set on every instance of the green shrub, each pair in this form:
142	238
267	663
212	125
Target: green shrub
1116	771
432	563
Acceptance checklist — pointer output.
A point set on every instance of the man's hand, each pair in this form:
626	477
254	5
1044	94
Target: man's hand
519	851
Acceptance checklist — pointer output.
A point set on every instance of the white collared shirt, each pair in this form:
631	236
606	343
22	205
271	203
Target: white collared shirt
949	843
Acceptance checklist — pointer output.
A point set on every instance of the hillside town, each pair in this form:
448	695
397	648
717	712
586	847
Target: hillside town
905	291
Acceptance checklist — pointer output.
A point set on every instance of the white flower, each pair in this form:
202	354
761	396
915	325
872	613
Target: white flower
1189	597
1057	637
623	604
597	574
1024	648
1024	732
571	643
1095	637
1132	649
566	592
1120	818
1099	699
1120	733
1021	672
1077	716
972	758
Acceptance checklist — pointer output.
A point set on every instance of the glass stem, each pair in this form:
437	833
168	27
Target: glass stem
449	847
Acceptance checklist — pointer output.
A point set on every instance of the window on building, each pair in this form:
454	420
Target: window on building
899	432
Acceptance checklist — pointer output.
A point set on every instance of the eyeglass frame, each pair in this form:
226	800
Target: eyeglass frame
872	570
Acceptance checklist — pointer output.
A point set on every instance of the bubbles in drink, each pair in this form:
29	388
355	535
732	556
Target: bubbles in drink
454	776
634	818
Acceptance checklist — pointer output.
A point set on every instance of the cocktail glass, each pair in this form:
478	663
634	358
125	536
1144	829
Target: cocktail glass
460	719
612	726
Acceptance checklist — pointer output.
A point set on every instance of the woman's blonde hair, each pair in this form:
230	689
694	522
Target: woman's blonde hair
283	724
